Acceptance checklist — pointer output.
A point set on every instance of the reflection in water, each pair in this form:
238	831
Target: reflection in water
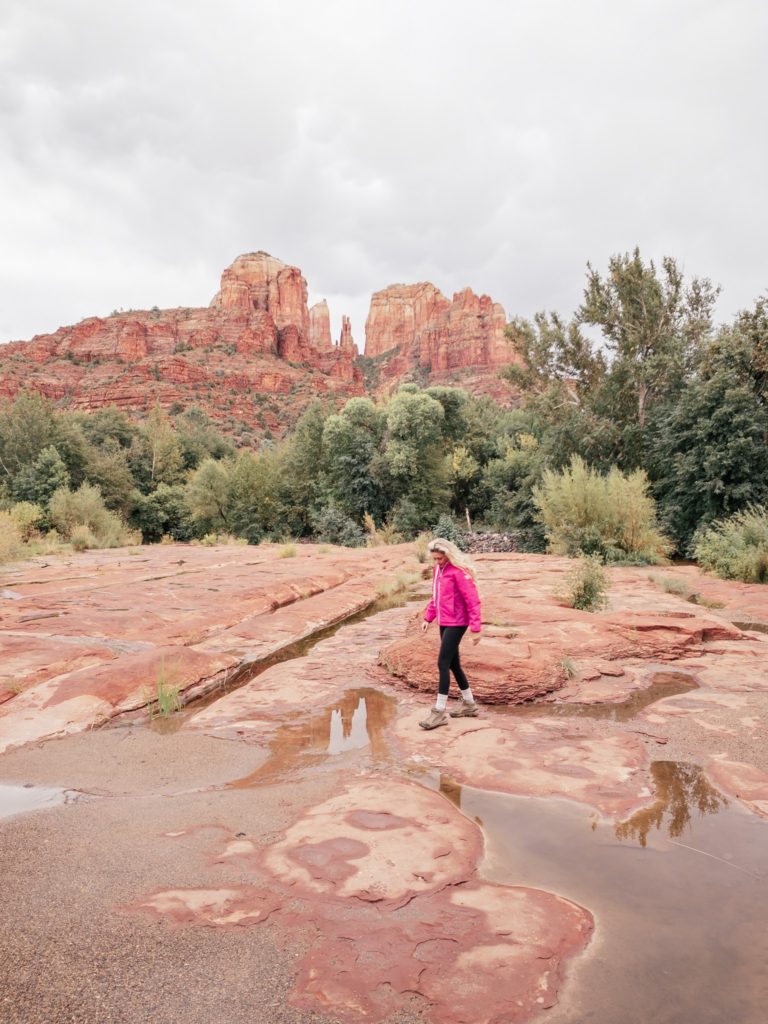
681	936
349	733
360	719
451	789
680	789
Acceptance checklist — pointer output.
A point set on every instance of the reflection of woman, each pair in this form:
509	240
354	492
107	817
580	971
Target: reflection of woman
455	604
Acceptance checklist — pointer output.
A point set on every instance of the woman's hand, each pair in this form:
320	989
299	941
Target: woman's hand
424	626
476	638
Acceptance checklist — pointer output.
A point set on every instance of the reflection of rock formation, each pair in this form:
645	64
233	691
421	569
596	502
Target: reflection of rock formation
451	789
359	719
680	789
348	733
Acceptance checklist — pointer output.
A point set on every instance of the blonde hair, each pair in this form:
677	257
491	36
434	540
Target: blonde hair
454	555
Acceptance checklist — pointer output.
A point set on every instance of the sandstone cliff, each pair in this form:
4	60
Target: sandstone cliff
320	326
414	330
257	355
253	359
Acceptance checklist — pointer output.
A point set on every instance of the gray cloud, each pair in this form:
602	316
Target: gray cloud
498	145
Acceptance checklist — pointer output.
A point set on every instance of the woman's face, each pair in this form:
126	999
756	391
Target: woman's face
439	558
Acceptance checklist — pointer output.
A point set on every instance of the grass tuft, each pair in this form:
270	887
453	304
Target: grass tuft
165	699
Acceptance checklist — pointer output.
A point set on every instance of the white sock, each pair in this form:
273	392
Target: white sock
466	696
442	701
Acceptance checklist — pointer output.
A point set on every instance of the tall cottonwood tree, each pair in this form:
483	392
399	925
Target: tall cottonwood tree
652	324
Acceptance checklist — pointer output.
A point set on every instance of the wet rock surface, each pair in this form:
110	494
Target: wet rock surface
90	637
308	853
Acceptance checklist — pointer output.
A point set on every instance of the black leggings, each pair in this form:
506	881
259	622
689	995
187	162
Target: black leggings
448	658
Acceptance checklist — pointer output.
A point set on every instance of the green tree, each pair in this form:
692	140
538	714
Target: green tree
504	496
554	355
454	402
709	455
652	325
464	474
414	451
107	426
162	512
351	442
27	426
156	455
107	467
37	482
198	438
207	495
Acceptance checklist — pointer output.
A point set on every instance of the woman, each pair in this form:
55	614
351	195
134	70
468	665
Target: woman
456	604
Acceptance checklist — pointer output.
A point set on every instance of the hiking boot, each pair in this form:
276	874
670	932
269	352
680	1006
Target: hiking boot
465	710
435	718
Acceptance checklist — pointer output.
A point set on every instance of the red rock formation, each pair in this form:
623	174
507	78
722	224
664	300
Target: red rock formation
415	328
259	336
256	338
346	341
258	281
320	326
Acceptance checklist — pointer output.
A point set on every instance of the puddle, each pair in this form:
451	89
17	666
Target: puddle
752	627
665	684
21	799
360	719
679	893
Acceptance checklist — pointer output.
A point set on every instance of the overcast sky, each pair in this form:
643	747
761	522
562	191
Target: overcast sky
498	144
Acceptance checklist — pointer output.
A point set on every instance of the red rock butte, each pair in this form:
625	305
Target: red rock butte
416	326
257	355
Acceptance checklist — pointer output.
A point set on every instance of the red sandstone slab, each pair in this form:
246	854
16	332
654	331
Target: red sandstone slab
83	699
742	781
385	872
87	636
578	759
263	635
382	842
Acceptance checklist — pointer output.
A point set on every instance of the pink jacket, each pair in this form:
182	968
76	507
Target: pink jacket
455	601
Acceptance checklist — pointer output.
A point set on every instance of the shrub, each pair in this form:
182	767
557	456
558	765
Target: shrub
26	516
736	548
166	699
421	547
210	540
613	516
386	534
331	526
447	528
82	539
568	666
670	585
287	551
587	585
85	507
11	545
